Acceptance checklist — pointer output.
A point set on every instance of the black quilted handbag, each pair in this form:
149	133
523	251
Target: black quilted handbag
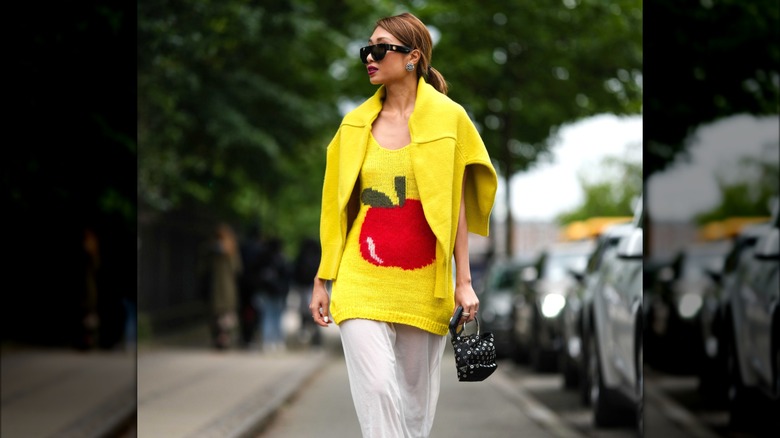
475	354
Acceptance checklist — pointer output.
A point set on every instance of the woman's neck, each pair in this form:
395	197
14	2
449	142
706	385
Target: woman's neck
400	98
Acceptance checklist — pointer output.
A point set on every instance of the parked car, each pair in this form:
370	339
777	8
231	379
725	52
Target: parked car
613	332
542	294
572	358
674	307
752	316
712	373
495	291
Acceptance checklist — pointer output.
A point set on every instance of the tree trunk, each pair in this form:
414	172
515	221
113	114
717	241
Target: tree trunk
508	170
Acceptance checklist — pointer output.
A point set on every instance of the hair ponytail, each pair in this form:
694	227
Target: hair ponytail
437	80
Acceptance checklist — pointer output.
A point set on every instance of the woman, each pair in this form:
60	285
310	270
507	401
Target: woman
226	265
407	177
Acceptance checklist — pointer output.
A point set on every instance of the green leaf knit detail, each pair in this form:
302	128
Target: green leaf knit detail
400	189
375	198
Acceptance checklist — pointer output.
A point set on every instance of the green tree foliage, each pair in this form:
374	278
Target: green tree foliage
705	61
72	152
237	99
613	193
523	69
69	164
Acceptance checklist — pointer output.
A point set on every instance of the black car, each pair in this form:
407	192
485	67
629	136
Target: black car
675	307
712	371
541	297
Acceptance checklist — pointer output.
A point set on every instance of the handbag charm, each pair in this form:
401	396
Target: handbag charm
475	354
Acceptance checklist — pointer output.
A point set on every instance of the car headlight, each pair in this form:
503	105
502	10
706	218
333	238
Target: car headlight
689	305
552	304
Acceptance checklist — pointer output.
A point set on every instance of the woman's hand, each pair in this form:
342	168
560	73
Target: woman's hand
320	303
466	298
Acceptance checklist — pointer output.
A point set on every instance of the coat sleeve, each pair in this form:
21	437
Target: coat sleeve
481	179
331	234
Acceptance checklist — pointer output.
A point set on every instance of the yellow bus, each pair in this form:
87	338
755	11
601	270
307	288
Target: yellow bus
591	228
727	228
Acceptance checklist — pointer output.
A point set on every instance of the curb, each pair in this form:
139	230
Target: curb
106	420
252	414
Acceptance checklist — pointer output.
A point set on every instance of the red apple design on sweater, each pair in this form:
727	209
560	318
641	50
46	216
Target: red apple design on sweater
396	235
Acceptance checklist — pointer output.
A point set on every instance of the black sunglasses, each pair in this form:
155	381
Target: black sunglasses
378	51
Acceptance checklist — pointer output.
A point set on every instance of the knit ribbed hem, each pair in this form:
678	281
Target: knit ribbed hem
429	325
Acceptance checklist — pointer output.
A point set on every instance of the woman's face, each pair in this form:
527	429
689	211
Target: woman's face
392	67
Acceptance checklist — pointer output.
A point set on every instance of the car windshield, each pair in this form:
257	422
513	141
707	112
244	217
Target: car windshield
696	266
504	277
742	246
556	266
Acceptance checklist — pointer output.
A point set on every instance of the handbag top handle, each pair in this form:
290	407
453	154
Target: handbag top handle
454	322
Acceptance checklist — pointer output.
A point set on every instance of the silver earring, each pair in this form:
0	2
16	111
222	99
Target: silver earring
409	66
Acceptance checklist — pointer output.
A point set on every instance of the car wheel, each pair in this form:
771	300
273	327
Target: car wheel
607	411
585	370
741	399
537	362
570	371
640	388
713	386
776	349
541	361
519	354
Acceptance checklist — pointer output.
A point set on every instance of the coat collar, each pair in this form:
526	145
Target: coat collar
430	106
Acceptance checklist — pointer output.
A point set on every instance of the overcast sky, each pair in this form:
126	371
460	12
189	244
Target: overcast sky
688	188
552	187
685	189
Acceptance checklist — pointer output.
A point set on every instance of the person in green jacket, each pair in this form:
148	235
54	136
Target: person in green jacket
407	178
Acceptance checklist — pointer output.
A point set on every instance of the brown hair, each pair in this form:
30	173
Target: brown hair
413	33
225	235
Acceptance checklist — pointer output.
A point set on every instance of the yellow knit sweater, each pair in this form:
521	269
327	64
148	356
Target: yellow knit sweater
387	271
444	142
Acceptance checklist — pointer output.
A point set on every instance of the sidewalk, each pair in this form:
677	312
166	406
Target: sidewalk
201	393
194	391
66	393
176	386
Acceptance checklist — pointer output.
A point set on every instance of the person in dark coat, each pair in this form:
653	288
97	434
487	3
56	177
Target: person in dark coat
250	315
272	271
305	268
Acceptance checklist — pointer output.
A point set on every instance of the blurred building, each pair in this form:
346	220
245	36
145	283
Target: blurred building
668	237
530	237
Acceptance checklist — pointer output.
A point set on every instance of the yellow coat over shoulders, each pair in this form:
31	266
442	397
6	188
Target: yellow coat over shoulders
444	142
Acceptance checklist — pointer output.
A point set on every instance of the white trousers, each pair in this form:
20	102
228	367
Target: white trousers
394	376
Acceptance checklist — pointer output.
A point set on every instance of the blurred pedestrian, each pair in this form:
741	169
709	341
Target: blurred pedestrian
252	249
225	267
305	268
407	177
89	319
273	272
